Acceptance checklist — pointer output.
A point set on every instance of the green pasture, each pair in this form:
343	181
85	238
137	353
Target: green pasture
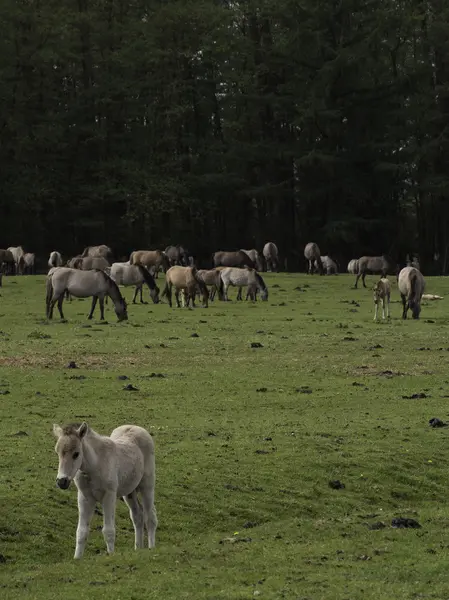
247	440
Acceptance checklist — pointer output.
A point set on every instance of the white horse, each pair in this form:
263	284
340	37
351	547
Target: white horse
124	273
55	259
353	266
271	255
329	265
381	295
17	253
28	263
313	255
411	286
105	468
243	277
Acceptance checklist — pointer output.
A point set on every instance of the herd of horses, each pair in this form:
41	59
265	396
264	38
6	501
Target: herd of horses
94	274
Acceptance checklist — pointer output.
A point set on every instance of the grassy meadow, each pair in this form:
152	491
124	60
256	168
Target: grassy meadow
247	440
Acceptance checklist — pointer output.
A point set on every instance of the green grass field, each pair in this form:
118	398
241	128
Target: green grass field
247	440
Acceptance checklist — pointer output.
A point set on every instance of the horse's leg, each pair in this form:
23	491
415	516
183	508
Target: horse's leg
384	300
375	311
239	294
136	514
109	502
135	294
225	291
388	307
86	508
94	304
101	299
177	297
142	301
404	306
146	488
60	301
363	279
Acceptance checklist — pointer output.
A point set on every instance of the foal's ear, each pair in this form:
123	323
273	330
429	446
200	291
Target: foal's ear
57	430
83	429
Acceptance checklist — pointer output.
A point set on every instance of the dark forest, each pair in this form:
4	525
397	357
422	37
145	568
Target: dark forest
221	125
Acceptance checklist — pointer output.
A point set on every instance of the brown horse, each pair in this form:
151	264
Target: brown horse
92	262
101	251
184	278
238	258
150	259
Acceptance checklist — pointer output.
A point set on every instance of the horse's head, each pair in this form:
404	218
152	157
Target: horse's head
154	294
264	294
121	310
69	449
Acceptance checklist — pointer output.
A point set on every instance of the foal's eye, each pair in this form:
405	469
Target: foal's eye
75	455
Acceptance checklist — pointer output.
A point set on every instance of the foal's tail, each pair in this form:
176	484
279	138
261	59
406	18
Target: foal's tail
49	295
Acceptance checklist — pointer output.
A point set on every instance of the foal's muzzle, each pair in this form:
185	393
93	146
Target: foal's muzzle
63	482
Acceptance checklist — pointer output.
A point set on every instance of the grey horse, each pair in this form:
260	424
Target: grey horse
312	254
375	265
411	286
271	255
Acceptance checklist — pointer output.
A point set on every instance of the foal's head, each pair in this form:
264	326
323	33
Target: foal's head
69	448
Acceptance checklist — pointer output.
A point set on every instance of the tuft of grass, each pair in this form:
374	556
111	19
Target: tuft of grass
252	420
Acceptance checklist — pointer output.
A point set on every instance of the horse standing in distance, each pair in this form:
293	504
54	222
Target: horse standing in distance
29	263
411	286
7	262
380	265
248	278
17	253
329	265
55	259
232	259
313	255
125	274
381	295
83	284
104	469
88	263
271	255
101	251
153	260
255	257
353	266
184	278
177	255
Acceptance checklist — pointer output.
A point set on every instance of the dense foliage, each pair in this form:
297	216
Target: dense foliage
217	124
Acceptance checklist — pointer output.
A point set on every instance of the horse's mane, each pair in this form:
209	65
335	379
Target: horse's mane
70	428
148	278
260	280
108	280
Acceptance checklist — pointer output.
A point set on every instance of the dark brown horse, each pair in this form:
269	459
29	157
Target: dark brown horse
233	259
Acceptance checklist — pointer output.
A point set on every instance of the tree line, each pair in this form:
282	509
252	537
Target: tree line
221	125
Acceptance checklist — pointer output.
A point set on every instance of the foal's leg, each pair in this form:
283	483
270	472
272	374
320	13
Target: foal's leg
375	310
109	502
388	306
384	301
136	514
94	304
86	508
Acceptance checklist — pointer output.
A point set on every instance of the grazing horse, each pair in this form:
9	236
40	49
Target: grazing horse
411	286
184	278
7	262
177	255
271	255
28	263
17	253
255	257
125	274
150	259
83	284
241	278
313	255
104	469
92	262
329	265
232	259
101	251
353	266
376	265
212	278
55	259
381	295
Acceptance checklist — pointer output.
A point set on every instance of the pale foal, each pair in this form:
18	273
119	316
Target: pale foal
381	295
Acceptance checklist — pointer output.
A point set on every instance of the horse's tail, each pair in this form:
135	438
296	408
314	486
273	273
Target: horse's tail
413	294
49	294
147	277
